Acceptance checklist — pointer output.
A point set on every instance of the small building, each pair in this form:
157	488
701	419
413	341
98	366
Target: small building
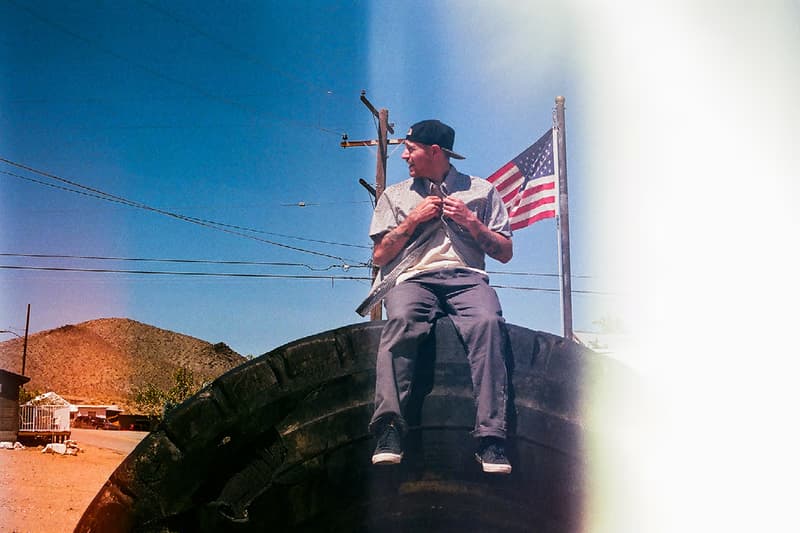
9	404
46	417
95	416
135	422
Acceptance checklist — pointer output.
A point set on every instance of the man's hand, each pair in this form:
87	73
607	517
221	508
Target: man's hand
392	243
456	210
494	244
430	207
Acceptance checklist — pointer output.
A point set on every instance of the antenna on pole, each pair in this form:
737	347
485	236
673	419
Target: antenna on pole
370	189
389	127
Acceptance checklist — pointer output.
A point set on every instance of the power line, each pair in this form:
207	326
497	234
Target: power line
179	261
216	206
178	273
542	289
252	276
285	236
209	223
105	196
96	193
236	263
549	275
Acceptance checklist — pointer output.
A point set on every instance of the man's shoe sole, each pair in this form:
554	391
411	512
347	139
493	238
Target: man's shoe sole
387	458
490	468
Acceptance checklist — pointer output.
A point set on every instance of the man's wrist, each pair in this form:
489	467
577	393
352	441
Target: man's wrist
476	227
407	227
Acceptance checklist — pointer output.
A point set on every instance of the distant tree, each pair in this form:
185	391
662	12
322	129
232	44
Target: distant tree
184	386
155	402
26	395
149	400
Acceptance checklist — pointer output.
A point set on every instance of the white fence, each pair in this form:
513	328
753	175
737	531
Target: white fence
43	418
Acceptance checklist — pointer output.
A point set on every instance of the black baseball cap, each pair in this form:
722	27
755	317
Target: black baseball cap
434	132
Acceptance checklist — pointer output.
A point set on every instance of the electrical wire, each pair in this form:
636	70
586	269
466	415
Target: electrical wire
96	193
550	275
543	289
217	206
230	262
179	261
256	276
111	198
364	247
179	273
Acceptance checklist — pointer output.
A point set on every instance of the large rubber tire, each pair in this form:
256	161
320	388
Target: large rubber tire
281	444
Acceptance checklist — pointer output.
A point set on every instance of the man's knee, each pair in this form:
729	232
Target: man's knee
487	321
402	335
406	321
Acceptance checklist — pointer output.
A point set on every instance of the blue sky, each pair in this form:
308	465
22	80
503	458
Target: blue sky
681	129
232	115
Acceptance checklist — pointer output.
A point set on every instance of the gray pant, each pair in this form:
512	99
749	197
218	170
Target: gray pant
412	307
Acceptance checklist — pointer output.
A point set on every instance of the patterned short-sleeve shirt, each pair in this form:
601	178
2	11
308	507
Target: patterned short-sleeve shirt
479	195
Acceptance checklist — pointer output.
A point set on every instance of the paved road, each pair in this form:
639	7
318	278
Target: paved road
121	441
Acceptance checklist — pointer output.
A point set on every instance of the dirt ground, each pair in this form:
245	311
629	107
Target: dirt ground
45	492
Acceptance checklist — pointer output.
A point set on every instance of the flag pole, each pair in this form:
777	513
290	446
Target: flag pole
563	220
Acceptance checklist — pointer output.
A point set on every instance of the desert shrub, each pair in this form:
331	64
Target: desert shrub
155	402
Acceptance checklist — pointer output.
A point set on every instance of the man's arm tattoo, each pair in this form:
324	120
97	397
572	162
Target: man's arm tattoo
396	235
489	244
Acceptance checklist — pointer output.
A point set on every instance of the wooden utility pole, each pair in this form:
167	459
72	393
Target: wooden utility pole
384	128
380	183
563	220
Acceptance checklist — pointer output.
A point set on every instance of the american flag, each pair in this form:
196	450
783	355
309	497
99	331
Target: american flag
527	184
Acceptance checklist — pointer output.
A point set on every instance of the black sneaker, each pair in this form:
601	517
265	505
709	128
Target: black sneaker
492	456
389	450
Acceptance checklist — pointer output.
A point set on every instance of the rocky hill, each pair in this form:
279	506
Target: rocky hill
100	361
